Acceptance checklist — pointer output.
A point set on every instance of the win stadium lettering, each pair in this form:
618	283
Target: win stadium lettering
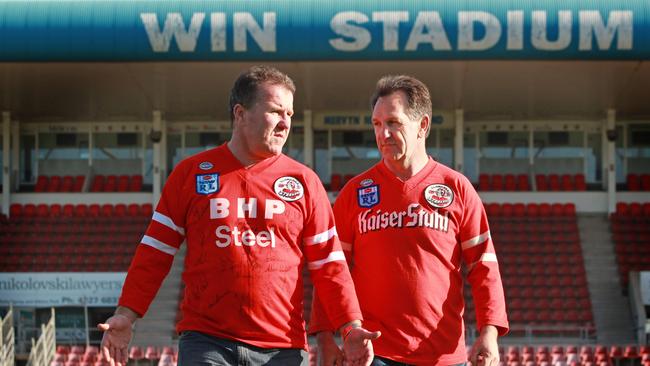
413	216
354	31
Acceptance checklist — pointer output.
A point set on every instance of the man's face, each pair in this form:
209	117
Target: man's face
395	132
265	125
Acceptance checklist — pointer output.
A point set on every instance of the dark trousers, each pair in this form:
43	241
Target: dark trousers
196	348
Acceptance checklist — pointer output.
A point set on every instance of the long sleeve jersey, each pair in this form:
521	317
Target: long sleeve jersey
406	241
249	232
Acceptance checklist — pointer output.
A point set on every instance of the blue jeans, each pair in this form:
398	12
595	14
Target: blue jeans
196	348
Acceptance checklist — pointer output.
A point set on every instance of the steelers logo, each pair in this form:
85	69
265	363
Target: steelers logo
289	189
439	195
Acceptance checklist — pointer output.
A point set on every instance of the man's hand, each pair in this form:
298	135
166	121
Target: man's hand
117	335
329	353
357	346
485	351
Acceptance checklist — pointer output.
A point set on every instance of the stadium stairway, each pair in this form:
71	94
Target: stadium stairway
157	327
611	309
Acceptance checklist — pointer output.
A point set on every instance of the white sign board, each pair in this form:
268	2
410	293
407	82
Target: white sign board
60	288
645	287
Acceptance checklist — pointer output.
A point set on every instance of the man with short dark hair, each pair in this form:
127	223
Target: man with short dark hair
251	218
405	226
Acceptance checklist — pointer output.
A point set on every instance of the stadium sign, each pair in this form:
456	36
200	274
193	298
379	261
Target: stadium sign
61	288
301	30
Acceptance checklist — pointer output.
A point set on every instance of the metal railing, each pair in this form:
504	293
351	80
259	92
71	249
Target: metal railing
7	352
42	352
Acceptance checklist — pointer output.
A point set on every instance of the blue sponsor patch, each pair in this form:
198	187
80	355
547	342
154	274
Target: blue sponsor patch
368	196
207	183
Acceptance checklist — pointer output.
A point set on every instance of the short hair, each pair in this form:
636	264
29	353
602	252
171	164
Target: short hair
244	91
417	94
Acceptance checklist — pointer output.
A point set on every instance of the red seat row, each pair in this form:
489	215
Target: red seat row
638	182
531	209
507	182
80	210
633	209
115	183
56	183
564	182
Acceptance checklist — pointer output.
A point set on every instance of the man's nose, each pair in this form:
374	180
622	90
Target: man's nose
285	121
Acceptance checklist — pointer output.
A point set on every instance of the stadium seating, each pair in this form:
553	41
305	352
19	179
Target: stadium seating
630	226
551	182
94	237
540	257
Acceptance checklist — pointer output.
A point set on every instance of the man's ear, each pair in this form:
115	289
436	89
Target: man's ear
425	124
238	113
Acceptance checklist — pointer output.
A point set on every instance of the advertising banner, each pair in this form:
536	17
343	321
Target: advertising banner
61	289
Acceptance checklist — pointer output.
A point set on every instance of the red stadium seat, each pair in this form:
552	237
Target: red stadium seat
106	210
94	210
68	210
540	181
55	210
98	183
136	183
41	183
622	209
569	209
42	210
493	209
29	210
81	210
631	352
135	353
78	183
633	182
636	209
55	184
507	209
645	182
16	210
497	182
147	210
580	184
566	183
120	210
483	182
67	184
510	183
532	209
554	182
133	209
111	183
522	183
545	209
151	353
519	209
123	182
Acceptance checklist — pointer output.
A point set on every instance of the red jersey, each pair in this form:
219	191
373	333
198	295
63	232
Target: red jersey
249	232
406	241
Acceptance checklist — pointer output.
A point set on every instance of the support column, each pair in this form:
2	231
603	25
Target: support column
6	180
308	139
14	176
611	159
156	138
458	140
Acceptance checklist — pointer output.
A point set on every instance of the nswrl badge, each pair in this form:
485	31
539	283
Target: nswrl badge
207	183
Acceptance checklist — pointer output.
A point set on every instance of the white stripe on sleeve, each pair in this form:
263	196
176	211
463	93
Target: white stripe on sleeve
479	239
332	257
157	244
321	237
485	257
167	221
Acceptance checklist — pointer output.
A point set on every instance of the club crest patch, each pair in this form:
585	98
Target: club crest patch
366	182
207	183
439	195
289	188
206	165
368	196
